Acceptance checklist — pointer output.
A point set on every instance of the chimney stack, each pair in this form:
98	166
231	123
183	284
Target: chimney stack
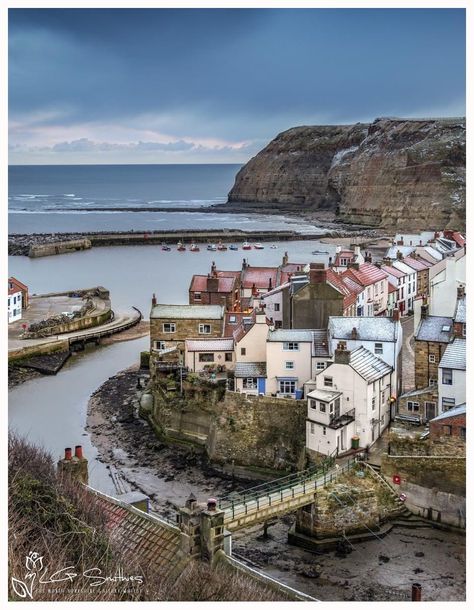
284	260
213	269
317	273
461	292
212	505
153	300
341	354
75	467
353	266
396	314
399	255
68	453
269	284
78	452
354	333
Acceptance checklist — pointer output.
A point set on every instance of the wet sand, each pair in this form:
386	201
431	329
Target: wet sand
376	570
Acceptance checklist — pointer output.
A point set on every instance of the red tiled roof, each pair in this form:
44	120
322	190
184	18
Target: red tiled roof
260	276
290	269
19	284
367	274
199	284
337	282
393	271
234	274
391	288
458	238
416	263
230	327
343	254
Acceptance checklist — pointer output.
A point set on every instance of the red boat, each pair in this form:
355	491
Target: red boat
246	246
194	248
221	246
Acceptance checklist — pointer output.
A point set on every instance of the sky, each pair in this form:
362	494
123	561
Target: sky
216	85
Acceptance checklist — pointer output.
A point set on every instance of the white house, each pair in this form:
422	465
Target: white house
410	281
352	398
445	277
272	302
15	300
289	361
383	336
452	376
251	353
202	353
374	281
398	278
344	258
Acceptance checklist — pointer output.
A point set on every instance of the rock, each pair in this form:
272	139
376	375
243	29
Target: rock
384	559
419	554
394	173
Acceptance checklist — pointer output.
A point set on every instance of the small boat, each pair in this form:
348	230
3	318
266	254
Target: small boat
165	248
273	247
246	246
221	246
258	246
212	247
181	247
319	252
194	248
233	247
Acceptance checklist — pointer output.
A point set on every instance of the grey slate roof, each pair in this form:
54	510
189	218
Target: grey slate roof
368	365
290	334
210	345
430	388
321	344
250	369
431	329
405	250
460	315
459	410
368	328
454	356
324	395
187	312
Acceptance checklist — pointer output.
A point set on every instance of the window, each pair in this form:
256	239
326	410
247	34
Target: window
447	376
243	351
412	406
277	307
8	301
204	329
320	366
382	420
447	404
324	430
197	296
291	346
228	357
169	327
447	430
289	364
312	428
382	398
232	319
158	345
462	433
206	357
328	382
322	407
432	358
378	348
464	330
432	381
312	404
373	403
250	383
286	386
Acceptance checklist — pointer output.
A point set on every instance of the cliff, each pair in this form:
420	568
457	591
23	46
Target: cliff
393	173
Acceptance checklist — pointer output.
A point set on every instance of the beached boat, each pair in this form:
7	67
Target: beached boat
246	246
233	247
258	246
181	247
165	248
194	248
212	247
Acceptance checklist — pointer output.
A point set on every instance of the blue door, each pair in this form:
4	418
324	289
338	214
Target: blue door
261	385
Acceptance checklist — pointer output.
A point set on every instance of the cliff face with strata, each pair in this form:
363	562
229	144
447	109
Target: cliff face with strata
392	173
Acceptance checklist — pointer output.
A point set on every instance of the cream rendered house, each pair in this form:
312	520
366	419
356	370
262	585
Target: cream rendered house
352	397
251	354
289	361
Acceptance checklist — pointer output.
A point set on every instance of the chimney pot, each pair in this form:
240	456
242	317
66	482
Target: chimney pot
416	592
211	504
153	299
78	452
68	453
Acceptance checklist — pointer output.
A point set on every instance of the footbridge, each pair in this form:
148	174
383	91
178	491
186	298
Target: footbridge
276	498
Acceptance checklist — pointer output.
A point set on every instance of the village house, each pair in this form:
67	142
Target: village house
391	299
250	353
374	281
409	282
18	299
353	292
452	376
346	257
311	299
171	325
215	289
289	361
452	423
382	336
256	281
432	336
205	354
418	406
422	269
272	302
445	278
352	398
398	278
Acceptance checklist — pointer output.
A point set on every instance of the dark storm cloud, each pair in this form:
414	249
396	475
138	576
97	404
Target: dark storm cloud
233	75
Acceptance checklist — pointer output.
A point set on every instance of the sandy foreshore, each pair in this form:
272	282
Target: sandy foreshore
381	570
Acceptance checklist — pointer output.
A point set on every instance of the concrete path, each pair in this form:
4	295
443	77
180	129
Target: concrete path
408	354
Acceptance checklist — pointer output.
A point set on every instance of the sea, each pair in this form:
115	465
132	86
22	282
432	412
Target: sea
86	198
